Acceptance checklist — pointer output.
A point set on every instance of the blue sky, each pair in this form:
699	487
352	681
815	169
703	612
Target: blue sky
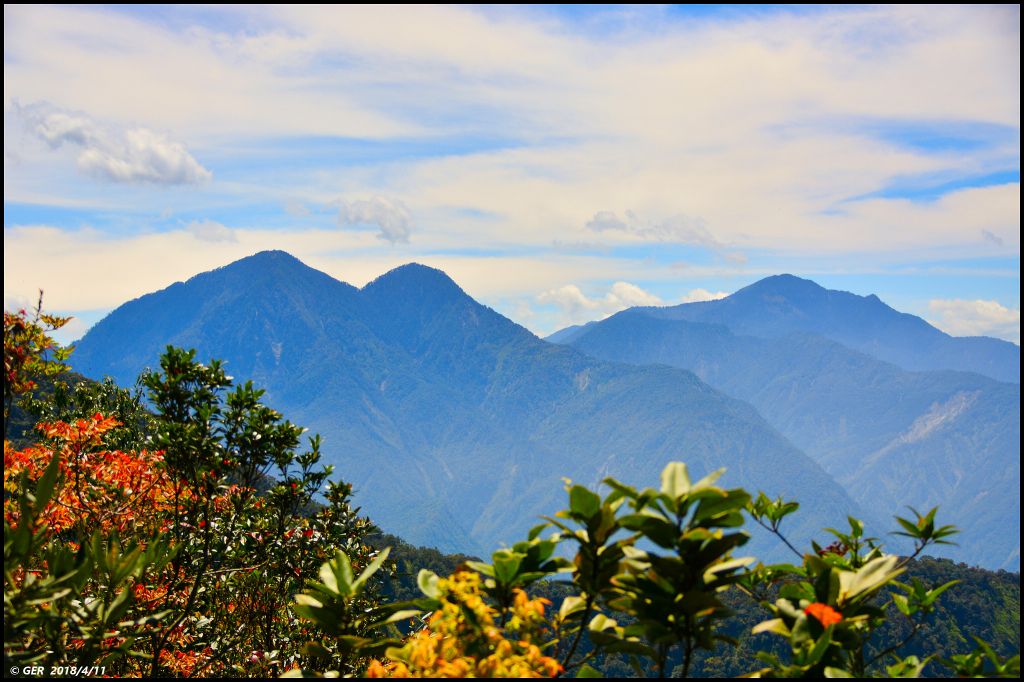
559	162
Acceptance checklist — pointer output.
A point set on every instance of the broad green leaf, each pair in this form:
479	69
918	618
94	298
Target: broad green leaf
583	502
402	615
571	605
47	483
867	579
675	480
776	625
427	582
370	569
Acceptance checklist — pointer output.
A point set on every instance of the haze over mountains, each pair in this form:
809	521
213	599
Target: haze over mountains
892	437
455	424
783	304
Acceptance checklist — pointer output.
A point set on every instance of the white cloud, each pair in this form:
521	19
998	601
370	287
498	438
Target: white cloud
18	301
739	135
976	318
390	216
211	231
698	295
110	153
576	307
64	262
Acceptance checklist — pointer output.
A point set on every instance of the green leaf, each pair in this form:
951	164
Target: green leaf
506	566
820	647
571	605
315	650
934	594
776	625
47	483
586	671
481	567
675	480
583	502
370	569
402	615
537	530
427	582
867	579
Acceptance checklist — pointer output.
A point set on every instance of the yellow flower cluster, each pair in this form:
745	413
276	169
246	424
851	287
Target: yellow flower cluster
462	640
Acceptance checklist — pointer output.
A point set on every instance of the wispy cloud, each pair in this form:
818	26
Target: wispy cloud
678	228
992	237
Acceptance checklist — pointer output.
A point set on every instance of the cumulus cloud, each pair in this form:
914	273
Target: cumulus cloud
111	153
698	295
389	216
578	307
211	231
961	317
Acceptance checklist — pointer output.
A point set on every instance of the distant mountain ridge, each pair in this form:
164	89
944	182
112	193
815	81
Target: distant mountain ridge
783	304
455	424
893	437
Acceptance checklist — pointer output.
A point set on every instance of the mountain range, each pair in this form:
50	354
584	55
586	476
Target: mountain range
455	424
891	436
782	304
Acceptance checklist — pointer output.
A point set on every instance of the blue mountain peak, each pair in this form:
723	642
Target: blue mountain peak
415	280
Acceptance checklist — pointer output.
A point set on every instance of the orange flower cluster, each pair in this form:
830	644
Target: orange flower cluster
184	662
461	639
102	490
825	614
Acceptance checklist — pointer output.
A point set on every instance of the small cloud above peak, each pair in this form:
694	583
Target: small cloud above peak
390	216
211	231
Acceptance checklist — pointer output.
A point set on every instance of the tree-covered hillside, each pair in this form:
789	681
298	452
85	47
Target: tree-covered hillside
869	423
423	395
193	535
